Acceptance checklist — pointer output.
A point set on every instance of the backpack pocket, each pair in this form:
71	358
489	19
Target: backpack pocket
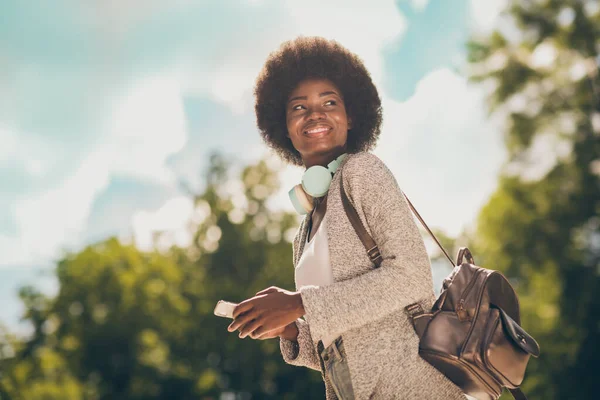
506	348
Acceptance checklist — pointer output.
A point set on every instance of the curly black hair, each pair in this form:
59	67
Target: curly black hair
315	58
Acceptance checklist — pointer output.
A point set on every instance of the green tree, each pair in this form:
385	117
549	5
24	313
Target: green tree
541	227
128	324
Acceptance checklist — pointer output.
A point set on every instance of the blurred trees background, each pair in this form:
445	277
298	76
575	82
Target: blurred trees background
132	325
128	324
541	226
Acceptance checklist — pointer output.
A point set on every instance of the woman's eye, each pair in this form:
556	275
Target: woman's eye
297	107
330	102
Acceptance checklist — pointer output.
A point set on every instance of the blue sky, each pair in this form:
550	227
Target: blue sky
105	106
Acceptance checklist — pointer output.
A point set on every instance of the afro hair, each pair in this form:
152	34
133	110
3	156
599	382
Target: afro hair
315	58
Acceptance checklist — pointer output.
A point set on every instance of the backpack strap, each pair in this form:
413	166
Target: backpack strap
517	394
366	239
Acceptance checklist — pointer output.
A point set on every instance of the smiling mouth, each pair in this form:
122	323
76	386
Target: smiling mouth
318	131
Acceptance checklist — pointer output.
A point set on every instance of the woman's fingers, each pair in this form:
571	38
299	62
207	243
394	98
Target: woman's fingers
250	327
267	290
267	335
240	321
261	331
243	307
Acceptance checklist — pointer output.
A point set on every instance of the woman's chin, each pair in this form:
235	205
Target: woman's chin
322	144
321	148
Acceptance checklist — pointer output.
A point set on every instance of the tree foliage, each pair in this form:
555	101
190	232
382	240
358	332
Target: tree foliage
128	324
541	226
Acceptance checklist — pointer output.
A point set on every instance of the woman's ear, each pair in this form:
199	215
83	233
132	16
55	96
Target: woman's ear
349	123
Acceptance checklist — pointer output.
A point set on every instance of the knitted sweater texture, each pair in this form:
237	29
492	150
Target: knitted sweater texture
366	303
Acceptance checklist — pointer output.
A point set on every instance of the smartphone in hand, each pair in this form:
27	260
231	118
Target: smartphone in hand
225	309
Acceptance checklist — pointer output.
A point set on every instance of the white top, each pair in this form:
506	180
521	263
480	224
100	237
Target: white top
313	268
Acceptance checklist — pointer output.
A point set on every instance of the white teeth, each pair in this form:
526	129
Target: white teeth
318	130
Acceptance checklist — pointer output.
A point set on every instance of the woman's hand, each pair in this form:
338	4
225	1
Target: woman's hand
289	332
271	334
272	309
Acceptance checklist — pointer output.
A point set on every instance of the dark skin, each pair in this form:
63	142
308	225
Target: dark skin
318	127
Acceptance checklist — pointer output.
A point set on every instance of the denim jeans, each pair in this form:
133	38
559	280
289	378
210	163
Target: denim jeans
336	369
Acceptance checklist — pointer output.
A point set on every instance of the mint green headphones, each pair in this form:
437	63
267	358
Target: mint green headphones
315	183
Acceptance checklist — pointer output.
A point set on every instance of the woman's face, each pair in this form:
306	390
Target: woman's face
316	119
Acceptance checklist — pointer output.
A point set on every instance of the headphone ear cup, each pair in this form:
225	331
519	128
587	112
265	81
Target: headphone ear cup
303	202
316	181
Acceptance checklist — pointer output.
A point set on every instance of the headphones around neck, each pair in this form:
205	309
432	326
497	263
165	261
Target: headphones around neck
315	183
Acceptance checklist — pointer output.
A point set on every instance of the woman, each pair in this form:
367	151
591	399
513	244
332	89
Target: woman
316	105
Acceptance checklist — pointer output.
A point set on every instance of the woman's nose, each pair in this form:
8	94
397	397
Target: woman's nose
316	114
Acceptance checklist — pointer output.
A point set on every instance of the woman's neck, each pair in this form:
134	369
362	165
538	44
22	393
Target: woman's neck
323	159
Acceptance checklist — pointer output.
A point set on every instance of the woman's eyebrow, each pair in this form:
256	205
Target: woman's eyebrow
305	98
328	93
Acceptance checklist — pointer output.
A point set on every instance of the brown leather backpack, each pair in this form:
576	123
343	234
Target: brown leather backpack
472	334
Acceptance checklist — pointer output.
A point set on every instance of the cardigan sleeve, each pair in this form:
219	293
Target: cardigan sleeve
404	276
301	353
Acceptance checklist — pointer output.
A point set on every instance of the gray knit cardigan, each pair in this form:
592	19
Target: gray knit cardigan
365	304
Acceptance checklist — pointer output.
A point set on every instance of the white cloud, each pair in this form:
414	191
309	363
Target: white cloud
172	219
358	25
485	13
148	125
419	5
443	149
55	218
29	153
8	143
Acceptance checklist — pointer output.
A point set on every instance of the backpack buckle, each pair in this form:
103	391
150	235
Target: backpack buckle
374	253
414	310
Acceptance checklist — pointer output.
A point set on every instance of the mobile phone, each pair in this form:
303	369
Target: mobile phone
225	309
